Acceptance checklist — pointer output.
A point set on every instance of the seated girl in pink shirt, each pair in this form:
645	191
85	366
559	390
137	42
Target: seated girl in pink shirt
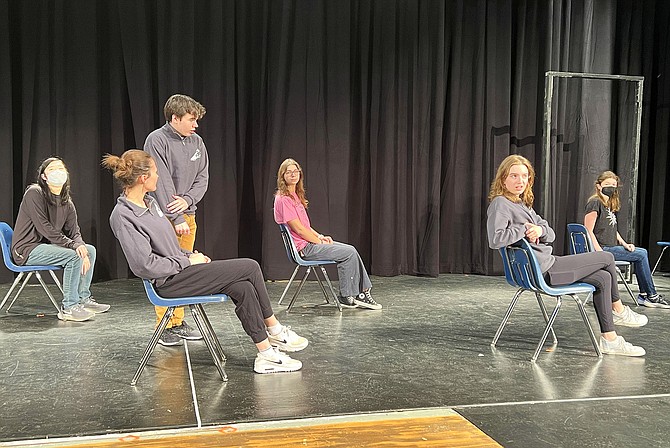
291	209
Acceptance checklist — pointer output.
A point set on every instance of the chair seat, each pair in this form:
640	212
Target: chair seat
574	288
663	243
179	301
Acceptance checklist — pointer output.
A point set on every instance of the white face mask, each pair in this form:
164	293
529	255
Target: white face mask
57	178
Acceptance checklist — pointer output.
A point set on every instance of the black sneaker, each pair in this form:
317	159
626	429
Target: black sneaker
347	302
365	300
658	301
185	331
169	338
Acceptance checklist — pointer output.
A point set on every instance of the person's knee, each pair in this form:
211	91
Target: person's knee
642	252
607	256
249	265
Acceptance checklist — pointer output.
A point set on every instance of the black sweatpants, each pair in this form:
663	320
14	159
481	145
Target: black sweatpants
597	269
239	278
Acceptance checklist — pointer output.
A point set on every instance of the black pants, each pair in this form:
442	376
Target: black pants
239	278
597	269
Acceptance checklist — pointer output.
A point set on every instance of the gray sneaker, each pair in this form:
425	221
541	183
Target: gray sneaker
619	346
185	331
91	305
169	338
76	313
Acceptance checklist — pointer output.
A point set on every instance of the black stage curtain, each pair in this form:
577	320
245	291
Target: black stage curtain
399	111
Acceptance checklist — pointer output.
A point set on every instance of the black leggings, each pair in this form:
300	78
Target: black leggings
597	269
239	278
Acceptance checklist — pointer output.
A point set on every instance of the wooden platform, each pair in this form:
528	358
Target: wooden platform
401	429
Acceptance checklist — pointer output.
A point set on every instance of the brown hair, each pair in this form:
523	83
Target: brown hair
127	168
613	203
181	105
282	188
498	185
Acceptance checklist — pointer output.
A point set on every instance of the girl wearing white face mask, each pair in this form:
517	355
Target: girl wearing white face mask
601	222
47	233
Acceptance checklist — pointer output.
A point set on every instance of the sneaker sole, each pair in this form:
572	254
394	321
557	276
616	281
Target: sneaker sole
351	307
623	354
191	338
68	318
631	325
648	304
367	305
172	344
277	370
96	311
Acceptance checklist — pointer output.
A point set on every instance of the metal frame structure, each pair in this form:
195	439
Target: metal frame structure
550	76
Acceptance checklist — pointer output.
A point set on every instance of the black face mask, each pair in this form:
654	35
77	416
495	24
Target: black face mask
608	191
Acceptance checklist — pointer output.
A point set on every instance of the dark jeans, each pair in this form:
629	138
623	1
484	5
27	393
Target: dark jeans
597	269
640	260
239	278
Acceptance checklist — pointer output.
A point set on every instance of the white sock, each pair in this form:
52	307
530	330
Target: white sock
275	329
267	352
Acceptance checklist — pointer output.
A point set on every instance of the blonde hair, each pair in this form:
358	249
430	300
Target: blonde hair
613	203
282	188
127	168
498	185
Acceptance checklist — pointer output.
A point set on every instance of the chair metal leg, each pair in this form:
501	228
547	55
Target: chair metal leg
16	282
545	315
53	300
302	283
211	341
18	293
585	318
55	279
625	283
288	285
152	344
332	290
510	308
655	266
318	279
547	329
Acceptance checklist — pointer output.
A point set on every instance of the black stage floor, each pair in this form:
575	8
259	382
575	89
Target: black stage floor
428	348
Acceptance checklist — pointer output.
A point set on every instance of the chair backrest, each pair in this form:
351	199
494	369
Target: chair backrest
519	261
580	240
291	251
6	234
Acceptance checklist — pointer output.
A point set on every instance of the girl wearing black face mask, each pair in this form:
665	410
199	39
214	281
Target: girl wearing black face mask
601	222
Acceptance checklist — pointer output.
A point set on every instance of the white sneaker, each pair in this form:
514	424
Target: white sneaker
275	362
288	340
619	346
629	318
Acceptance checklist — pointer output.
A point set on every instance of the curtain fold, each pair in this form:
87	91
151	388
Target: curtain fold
399	112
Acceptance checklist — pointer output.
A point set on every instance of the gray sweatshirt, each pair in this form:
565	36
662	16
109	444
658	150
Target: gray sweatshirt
41	222
506	225
182	164
147	239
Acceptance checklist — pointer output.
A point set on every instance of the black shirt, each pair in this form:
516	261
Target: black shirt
605	228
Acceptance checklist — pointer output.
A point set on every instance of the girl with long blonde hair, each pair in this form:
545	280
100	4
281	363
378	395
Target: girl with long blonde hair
511	218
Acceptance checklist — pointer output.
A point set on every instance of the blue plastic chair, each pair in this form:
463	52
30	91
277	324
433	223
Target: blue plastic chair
580	243
664	245
6	234
522	271
294	256
201	320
